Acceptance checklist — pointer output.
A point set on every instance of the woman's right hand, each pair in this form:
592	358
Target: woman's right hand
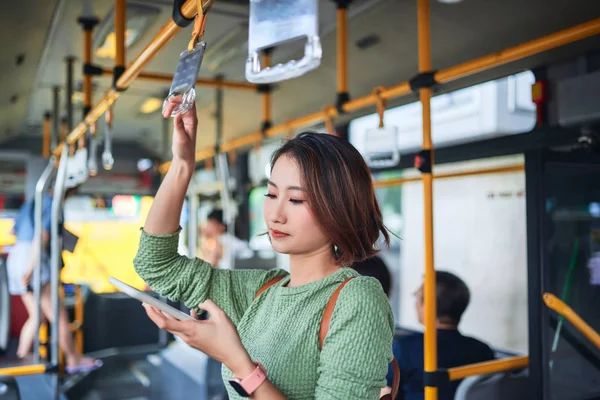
185	127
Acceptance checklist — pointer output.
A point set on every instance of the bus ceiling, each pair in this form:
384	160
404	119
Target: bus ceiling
459	32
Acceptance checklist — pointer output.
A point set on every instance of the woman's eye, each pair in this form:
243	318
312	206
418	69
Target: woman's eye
271	196
294	201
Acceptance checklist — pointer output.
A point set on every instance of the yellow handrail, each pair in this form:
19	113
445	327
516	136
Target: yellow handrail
511	54
488	367
482	171
167	32
21	370
212	83
554	303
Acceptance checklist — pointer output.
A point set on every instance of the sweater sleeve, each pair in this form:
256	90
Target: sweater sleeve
358	347
192	281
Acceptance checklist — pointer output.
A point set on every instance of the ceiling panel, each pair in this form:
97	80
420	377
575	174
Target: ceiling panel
23	31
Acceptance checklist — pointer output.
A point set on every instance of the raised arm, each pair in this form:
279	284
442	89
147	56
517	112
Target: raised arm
158	262
165	212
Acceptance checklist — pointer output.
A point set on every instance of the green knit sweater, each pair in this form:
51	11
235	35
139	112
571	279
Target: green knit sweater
280	328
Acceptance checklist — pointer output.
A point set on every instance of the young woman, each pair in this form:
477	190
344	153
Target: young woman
321	210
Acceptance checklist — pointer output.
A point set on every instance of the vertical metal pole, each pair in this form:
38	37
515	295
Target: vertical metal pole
70	61
88	22
120	32
226	203
40	188
223	168
429	297
47	134
55	117
267	105
219	113
192	221
166	139
342	47
120	27
88	26
55	247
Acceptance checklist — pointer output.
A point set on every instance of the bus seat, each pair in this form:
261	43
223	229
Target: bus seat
500	386
5	310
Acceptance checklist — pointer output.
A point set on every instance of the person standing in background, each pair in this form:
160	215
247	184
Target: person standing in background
215	239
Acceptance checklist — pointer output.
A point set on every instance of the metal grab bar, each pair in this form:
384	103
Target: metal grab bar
40	188
488	367
554	303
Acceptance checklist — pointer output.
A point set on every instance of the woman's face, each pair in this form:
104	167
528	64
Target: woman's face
292	226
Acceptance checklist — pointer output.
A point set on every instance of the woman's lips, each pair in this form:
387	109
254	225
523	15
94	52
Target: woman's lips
275	234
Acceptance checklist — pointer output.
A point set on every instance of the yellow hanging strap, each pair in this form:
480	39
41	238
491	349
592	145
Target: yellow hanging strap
199	24
330	112
380	103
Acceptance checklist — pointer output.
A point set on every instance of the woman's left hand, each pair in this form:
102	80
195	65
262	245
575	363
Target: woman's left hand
217	337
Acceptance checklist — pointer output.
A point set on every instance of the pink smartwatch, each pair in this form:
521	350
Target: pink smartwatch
245	387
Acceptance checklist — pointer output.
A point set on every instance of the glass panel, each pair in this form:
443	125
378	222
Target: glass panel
573	269
480	235
259	242
390	201
490	109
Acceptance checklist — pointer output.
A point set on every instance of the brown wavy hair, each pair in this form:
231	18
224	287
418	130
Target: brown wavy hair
340	193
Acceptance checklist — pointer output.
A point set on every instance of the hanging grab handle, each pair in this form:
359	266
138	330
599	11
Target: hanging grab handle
107	157
275	23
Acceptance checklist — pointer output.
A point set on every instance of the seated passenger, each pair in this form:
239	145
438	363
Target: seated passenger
453	348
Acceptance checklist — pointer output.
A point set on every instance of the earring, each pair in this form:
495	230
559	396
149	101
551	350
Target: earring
336	250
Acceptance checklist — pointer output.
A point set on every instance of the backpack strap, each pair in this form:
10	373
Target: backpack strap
326	320
395	379
267	285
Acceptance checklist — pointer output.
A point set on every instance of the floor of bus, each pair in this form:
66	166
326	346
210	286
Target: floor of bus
147	372
124	376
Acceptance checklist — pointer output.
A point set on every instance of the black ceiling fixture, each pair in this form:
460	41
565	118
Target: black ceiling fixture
367	41
20	58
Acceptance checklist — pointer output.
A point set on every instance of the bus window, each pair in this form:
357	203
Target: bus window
390	201
480	235
490	109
